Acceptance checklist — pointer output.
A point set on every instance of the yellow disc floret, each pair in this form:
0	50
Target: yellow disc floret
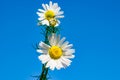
55	52
49	14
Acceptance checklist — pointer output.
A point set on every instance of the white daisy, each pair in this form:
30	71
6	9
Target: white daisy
57	54
50	15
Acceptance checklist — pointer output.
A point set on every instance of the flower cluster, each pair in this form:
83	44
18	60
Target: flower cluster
55	52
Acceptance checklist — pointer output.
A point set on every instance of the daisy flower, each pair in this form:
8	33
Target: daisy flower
57	54
50	14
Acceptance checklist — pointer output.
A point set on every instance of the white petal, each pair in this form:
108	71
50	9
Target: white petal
42	51
52	67
47	7
60	13
57	39
63	64
65	61
67	46
64	44
45	22
49	37
59	64
69	52
41	10
52	39
51	64
43	5
41	18
58	21
40	14
50	4
58	9
55	5
61	41
48	64
44	46
44	58
69	56
59	16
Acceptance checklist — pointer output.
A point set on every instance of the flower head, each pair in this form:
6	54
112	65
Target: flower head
50	15
57	54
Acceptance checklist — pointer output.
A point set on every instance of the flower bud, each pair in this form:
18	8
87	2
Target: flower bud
52	22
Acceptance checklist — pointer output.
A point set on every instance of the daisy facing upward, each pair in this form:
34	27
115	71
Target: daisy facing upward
50	14
57	54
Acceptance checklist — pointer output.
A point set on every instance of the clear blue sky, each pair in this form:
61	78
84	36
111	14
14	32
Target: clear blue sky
93	26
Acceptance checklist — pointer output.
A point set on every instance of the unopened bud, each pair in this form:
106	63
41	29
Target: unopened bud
53	22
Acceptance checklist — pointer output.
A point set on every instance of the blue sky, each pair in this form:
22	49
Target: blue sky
93	26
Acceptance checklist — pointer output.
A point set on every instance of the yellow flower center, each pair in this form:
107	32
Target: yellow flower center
49	14
55	52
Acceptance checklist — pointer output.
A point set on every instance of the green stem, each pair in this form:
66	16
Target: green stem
44	73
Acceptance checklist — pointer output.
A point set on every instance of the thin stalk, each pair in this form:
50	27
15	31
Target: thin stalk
48	32
44	69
